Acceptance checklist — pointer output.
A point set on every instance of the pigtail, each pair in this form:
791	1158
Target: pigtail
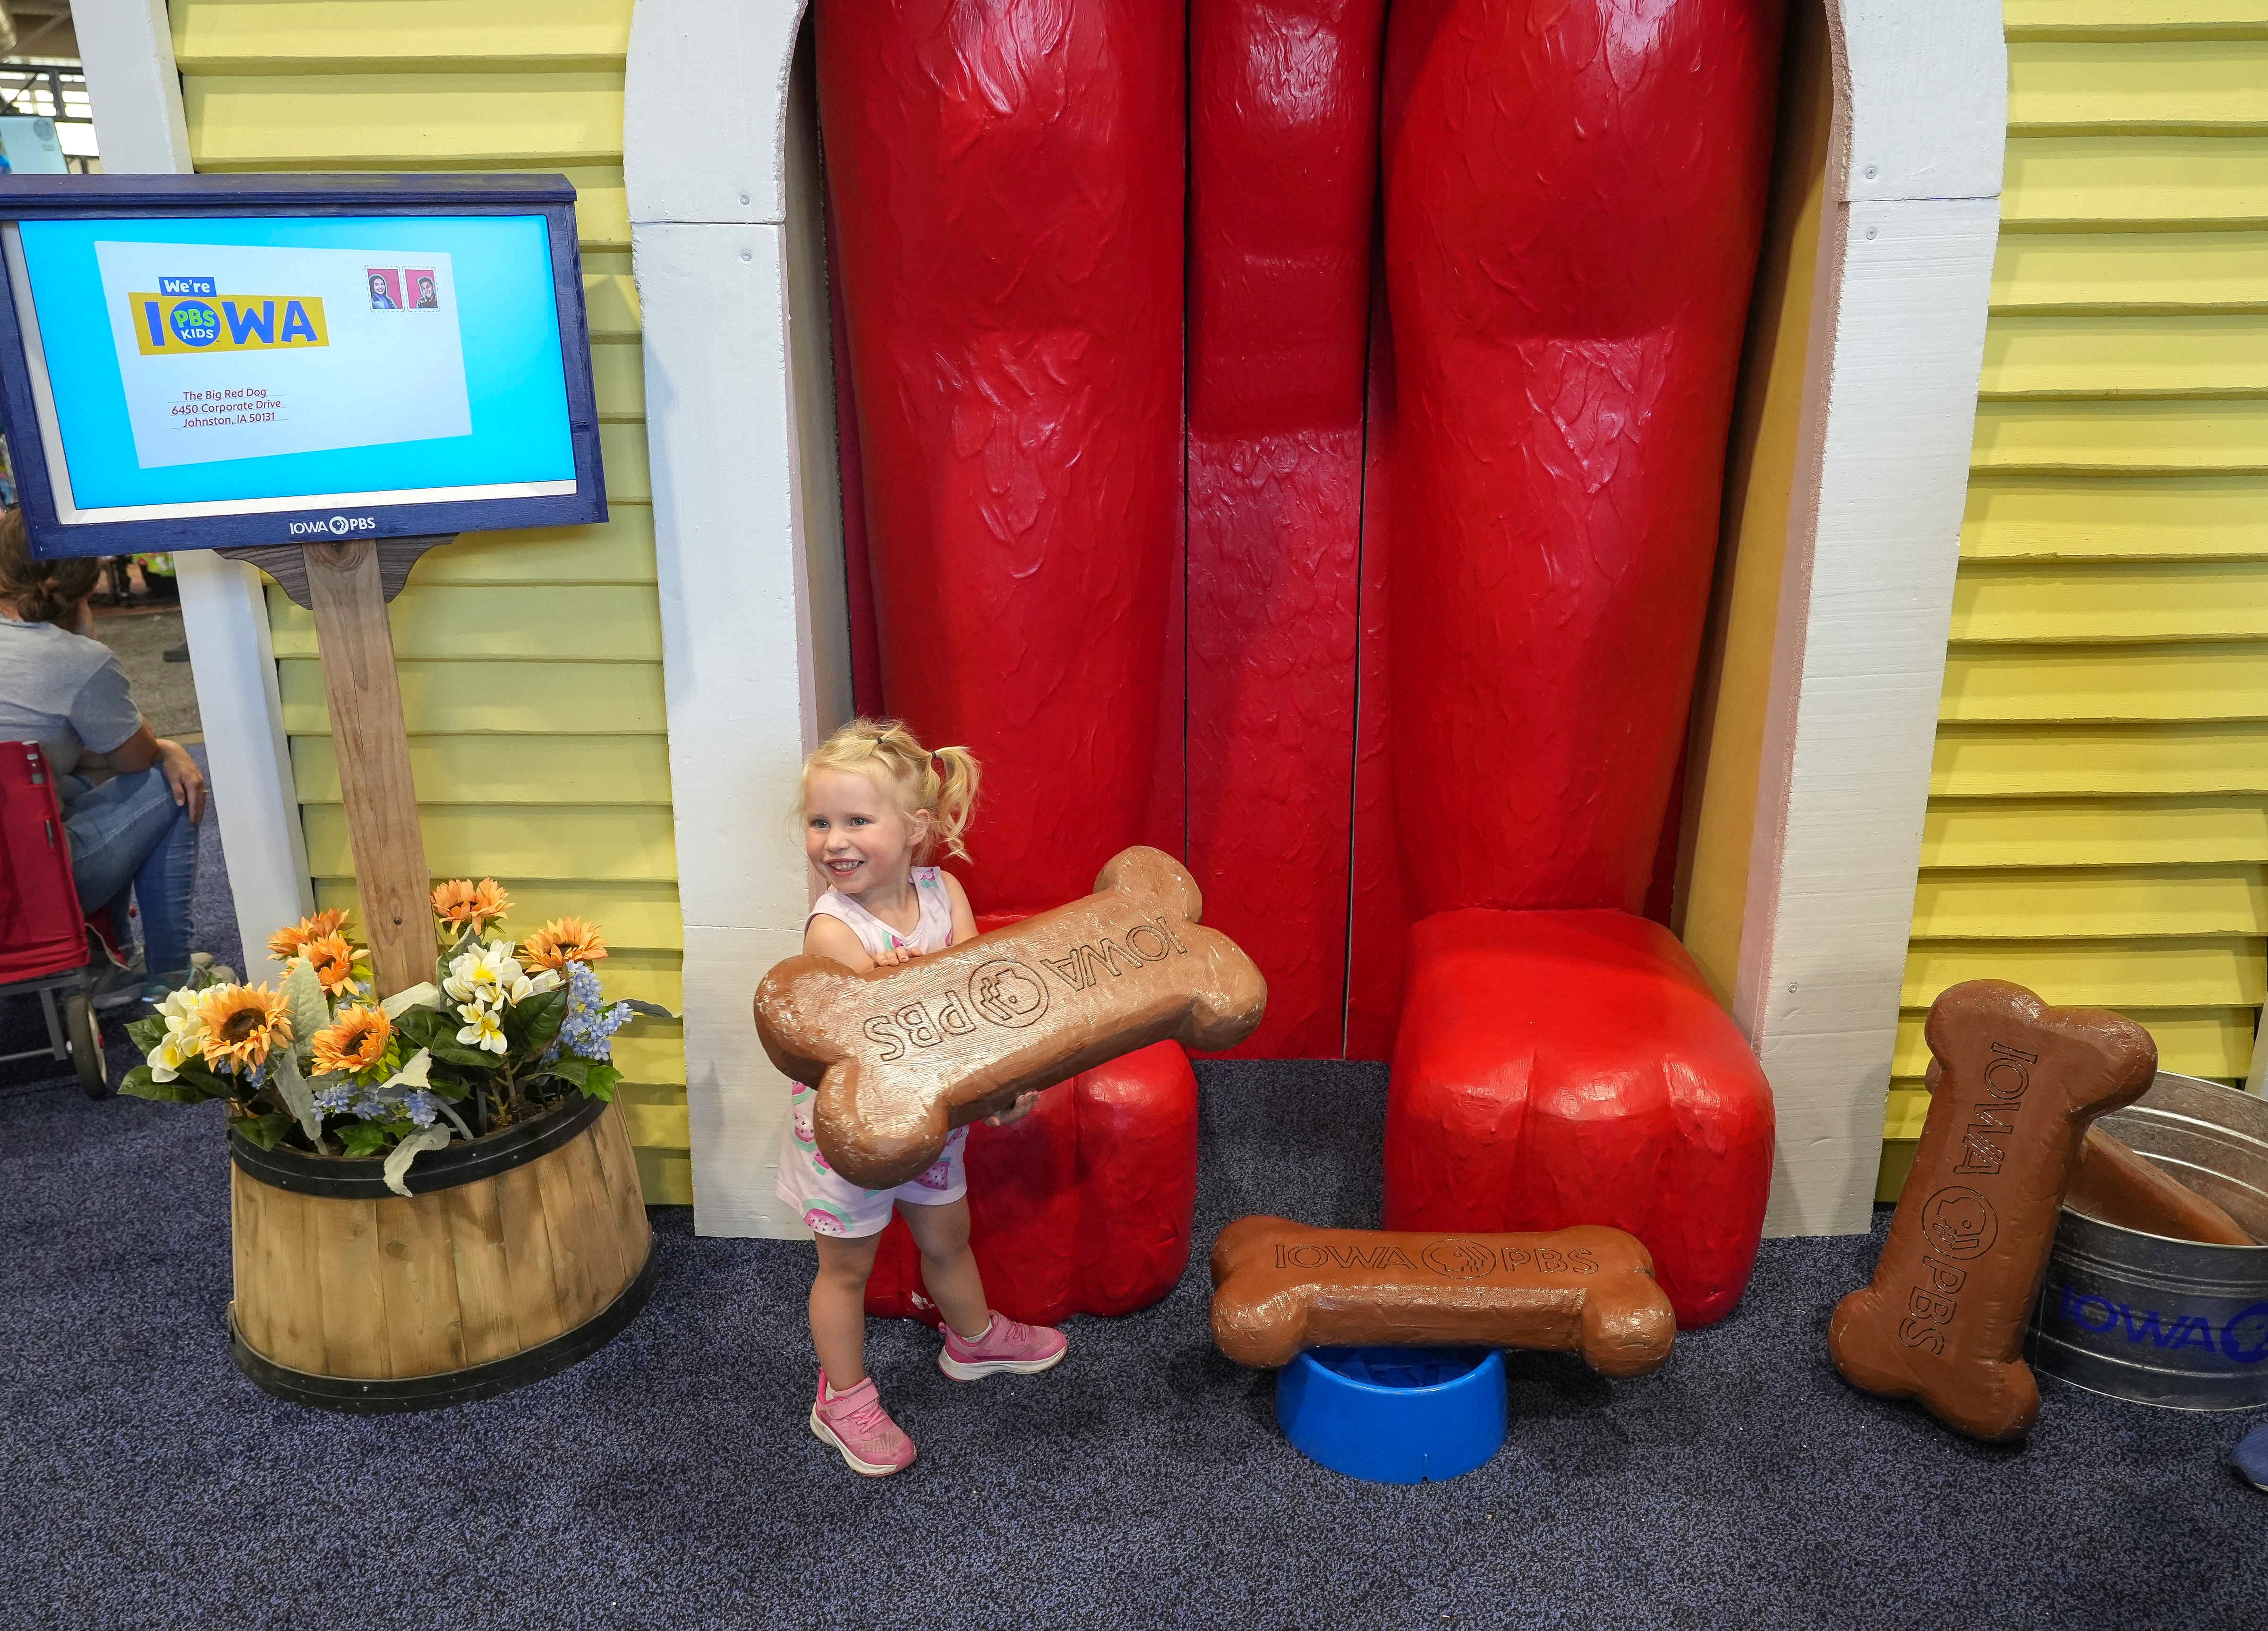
956	773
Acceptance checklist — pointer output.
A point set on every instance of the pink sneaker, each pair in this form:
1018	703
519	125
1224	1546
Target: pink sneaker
854	1424
1007	1345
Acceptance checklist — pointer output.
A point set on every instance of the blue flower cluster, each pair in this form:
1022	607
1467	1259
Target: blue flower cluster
590	1023
369	1105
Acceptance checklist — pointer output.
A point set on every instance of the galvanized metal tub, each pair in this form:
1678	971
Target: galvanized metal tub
2161	1321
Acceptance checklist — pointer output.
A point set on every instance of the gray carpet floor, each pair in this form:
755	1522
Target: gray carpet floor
670	1480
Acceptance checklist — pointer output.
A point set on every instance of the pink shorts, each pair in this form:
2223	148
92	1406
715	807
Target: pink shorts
832	1205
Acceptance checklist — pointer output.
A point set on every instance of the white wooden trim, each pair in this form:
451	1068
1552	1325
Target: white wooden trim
705	109
733	424
748	533
1859	664
128	47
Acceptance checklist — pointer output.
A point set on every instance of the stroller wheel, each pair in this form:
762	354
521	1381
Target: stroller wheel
85	1033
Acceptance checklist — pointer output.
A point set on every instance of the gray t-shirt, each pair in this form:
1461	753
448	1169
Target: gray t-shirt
63	691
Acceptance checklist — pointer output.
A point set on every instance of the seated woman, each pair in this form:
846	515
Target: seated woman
133	835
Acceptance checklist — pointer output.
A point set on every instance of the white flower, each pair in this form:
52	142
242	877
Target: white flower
184	1038
167	1058
481	976
534	985
481	1029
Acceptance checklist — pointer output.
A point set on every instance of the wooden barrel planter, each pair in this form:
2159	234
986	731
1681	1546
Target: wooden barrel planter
512	1258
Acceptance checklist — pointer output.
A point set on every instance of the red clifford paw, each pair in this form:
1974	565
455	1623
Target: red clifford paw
1084	1207
1564	1067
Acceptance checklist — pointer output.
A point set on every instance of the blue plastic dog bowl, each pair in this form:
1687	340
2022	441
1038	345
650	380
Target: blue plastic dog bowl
1393	1415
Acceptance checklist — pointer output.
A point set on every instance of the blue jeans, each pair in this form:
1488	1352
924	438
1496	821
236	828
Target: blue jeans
129	839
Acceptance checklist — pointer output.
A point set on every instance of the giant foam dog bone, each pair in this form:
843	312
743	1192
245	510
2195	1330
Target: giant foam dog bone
901	1056
1280	1286
2014	1084
2116	1186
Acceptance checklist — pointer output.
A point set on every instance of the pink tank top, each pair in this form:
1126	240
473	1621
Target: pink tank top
932	933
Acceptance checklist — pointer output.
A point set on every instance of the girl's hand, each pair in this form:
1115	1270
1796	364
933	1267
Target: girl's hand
890	957
1014	1112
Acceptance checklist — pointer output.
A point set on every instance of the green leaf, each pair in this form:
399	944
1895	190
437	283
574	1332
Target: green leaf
310	1011
213	1082
651	1010
599	1084
147	1033
529	1026
363	1138
421	1026
140	1084
572	1068
266	1130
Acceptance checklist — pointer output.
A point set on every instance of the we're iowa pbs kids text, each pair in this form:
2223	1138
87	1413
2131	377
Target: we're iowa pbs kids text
188	316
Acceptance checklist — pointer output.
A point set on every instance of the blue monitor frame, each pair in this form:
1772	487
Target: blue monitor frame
123	197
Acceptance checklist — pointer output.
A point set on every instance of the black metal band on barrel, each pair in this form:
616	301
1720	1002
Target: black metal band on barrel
389	1396
363	1178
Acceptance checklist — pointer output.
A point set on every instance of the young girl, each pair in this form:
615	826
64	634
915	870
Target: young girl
875	801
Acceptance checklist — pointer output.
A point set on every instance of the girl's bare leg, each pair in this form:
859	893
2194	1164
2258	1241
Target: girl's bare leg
948	1267
838	1306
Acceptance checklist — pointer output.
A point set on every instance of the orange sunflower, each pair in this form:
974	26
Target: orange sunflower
353	1042
333	959
463	904
242	1022
562	941
286	943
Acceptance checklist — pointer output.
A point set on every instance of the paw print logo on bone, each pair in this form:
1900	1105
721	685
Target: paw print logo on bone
1007	993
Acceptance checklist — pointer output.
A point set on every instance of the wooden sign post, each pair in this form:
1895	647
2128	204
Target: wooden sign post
347	586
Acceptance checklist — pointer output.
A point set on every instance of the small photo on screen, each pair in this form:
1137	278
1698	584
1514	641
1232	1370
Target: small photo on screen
417	284
385	288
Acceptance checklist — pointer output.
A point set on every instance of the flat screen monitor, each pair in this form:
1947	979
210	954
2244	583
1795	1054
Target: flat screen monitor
204	361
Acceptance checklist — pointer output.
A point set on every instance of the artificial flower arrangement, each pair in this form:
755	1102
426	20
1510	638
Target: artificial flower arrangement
501	1033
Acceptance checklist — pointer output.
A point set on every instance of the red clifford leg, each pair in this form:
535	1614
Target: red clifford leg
1005	184
1283	144
1574	194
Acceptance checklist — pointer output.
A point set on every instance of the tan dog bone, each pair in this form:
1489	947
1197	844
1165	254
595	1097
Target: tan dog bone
1280	1288
901	1056
2014	1085
2116	1186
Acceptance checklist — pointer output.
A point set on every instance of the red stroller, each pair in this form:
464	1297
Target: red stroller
47	944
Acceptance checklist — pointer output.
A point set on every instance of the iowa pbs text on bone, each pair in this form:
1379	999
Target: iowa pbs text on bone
903	1056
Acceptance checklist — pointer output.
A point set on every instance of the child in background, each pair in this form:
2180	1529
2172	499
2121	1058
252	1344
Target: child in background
876	802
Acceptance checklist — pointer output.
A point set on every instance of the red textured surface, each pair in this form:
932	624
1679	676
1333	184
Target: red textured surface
1283	154
1563	1068
1005	182
1084	1207
1573	199
41	931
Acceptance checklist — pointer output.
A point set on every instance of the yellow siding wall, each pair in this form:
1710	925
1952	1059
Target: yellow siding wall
531	662
2098	822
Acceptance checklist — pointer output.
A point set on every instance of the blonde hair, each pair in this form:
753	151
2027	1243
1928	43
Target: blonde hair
41	591
940	784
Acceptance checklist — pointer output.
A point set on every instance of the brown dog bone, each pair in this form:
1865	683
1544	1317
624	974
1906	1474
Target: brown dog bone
901	1056
2014	1085
2116	1186
1280	1288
